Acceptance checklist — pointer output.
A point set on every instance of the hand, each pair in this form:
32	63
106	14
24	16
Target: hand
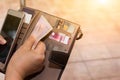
26	60
2	40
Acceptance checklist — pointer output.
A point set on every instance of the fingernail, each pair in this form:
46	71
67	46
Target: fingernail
4	41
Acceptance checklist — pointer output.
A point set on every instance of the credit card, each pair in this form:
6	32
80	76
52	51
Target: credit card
60	37
71	29
55	36
41	29
28	17
68	27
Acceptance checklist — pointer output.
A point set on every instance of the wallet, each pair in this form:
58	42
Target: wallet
59	43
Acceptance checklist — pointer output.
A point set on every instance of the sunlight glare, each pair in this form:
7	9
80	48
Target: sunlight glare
103	2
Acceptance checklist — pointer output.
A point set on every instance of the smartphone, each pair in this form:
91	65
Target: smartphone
10	30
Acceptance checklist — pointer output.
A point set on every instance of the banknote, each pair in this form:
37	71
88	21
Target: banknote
42	28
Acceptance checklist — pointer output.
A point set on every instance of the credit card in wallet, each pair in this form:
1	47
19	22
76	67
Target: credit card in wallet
42	28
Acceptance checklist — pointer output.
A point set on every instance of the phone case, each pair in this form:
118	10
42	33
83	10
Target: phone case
58	52
10	45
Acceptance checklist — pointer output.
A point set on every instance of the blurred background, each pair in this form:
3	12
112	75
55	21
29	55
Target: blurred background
85	12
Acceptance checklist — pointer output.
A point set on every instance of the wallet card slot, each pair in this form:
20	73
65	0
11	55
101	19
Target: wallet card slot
23	30
59	58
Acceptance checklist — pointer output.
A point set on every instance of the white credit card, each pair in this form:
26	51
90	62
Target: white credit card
28	17
42	28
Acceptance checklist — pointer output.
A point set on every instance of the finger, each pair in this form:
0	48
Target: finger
29	42
2	40
40	48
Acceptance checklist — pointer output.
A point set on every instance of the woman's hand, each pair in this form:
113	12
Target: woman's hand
26	60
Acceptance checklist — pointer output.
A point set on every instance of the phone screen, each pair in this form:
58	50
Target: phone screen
8	31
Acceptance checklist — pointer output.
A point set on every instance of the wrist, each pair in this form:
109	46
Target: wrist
13	75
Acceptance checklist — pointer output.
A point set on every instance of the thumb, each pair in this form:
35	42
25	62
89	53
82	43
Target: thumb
29	42
40	48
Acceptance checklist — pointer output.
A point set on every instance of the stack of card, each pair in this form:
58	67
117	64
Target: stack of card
41	29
